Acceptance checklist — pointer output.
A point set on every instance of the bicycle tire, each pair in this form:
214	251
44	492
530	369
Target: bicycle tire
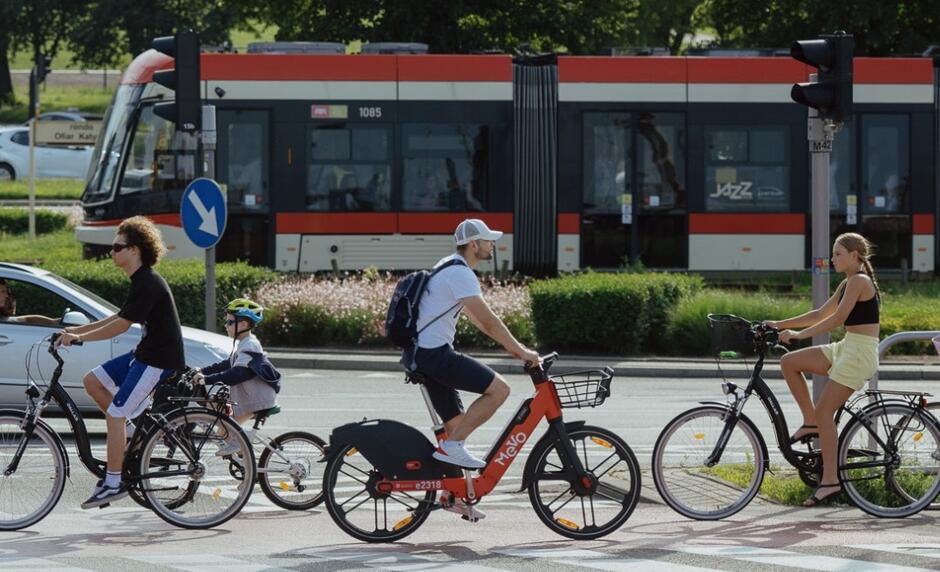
298	475
31	470
201	432
893	488
362	472
723	497
617	495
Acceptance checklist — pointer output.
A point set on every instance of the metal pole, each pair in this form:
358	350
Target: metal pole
820	135
208	146
34	101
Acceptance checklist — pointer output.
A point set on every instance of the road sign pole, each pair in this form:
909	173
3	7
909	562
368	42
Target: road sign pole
208	146
820	135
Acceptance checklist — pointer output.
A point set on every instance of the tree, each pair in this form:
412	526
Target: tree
578	26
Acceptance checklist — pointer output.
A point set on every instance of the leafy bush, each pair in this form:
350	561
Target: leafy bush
16	221
186	279
621	313
310	311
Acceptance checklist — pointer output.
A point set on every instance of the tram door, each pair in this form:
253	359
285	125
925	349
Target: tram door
634	192
243	168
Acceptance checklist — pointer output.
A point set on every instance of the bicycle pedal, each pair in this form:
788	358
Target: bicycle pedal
470	519
106	505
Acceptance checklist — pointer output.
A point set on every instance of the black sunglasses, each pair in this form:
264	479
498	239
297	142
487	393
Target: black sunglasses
118	247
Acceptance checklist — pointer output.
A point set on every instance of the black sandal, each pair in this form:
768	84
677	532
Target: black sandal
816	499
805	436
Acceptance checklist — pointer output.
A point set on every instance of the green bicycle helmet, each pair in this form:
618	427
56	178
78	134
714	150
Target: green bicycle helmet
245	308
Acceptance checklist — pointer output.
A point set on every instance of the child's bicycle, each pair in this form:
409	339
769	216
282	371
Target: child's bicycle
381	481
709	462
289	465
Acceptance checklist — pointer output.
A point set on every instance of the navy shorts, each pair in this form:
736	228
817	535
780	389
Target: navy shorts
130	382
447	371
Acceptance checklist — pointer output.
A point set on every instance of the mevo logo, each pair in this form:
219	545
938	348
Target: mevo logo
512	448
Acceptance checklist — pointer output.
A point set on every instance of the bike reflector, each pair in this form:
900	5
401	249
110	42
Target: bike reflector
918	436
699	436
567	523
403	522
284	486
602	443
352	452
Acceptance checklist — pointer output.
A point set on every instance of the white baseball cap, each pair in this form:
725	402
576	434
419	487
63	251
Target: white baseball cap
474	229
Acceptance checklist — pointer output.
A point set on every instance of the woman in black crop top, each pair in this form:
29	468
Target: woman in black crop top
849	363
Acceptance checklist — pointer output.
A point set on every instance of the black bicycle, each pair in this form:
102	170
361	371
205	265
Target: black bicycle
709	462
170	463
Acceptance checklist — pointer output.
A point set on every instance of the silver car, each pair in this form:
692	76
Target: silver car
38	291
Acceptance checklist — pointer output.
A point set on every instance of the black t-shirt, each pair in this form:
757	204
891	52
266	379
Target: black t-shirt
150	303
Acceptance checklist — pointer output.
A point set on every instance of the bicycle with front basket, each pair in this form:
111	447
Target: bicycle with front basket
381	481
709	462
170	463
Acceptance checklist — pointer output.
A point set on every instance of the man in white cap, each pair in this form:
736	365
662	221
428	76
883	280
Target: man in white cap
453	290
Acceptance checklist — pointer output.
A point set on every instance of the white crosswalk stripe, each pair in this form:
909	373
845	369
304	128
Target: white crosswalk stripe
599	561
923	550
776	557
13	563
205	562
391	560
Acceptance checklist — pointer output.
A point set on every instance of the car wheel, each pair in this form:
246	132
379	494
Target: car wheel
6	173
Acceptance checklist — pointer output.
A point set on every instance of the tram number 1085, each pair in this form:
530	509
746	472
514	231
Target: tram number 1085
370	112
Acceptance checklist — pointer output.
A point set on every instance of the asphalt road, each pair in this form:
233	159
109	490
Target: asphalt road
511	537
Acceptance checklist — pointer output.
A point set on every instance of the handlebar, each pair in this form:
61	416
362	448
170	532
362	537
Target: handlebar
545	363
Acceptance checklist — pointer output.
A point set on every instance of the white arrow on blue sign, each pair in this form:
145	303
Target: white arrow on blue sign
203	212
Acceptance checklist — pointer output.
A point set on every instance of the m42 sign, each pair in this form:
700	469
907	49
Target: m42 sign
203	212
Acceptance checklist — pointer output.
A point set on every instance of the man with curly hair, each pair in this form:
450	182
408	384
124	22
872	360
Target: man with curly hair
121	387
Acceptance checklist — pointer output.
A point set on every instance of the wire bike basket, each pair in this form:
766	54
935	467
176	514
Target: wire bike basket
579	389
730	333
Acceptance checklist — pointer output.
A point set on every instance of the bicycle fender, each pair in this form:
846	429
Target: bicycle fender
546	439
397	450
58	440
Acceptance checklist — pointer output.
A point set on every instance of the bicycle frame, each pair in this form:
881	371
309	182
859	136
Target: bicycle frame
544	404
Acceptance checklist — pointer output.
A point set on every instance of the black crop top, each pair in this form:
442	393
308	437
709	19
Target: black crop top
864	312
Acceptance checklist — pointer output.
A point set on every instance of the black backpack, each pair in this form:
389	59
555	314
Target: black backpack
401	321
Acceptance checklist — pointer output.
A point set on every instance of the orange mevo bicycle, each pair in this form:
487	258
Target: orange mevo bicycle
381	482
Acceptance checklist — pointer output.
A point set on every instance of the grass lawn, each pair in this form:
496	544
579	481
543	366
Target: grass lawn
58	246
88	99
66	189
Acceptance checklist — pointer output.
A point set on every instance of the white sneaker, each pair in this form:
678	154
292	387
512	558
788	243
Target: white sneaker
467	512
228	449
455	453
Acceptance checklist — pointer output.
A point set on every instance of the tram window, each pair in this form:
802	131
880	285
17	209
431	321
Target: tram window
349	169
159	158
445	167
607	179
841	178
886	166
747	169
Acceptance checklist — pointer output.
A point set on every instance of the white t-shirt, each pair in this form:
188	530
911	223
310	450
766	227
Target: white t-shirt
445	289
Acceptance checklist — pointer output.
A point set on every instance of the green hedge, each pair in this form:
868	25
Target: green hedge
619	313
186	279
16	221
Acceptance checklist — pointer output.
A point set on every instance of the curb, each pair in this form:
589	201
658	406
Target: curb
645	369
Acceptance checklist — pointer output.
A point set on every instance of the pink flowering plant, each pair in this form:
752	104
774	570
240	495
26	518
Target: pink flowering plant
315	311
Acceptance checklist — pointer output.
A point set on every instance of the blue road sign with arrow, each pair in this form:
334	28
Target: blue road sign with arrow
203	212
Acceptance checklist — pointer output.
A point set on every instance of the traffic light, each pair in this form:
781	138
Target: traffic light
183	79
43	67
831	93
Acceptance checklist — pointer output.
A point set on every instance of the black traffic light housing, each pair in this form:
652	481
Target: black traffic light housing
43	67
831	93
186	110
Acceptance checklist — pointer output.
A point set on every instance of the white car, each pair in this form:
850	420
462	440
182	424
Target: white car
51	162
38	291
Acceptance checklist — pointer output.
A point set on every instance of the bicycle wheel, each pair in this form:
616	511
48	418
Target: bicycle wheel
290	471
934	409
695	489
183	479
894	481
615	492
30	492
362	511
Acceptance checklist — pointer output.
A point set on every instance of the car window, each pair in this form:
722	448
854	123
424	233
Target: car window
20	138
88	294
33	299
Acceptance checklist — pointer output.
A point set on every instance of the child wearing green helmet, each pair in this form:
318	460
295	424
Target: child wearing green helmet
253	380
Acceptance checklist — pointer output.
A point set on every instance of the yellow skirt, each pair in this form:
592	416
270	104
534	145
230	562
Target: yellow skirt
854	359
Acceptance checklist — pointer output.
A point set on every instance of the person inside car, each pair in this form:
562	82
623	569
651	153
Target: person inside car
8	309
